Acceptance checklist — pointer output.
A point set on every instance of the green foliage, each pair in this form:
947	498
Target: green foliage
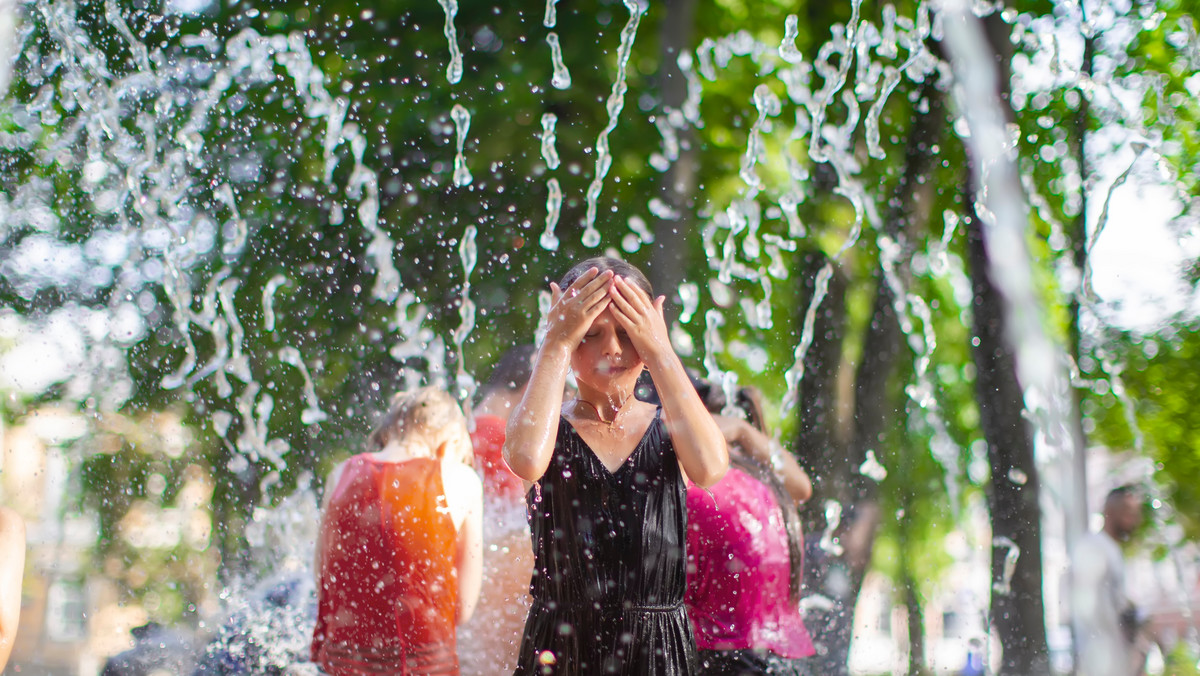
1162	384
151	503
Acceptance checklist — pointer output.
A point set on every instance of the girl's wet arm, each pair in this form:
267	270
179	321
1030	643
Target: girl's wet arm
768	451
529	435
698	441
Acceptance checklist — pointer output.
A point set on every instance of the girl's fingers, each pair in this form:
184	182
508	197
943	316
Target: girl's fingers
582	280
599	301
598	285
623	315
555	293
588	281
636	298
620	300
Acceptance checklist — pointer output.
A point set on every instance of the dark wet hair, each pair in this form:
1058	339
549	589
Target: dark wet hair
513	370
711	396
603	264
1122	492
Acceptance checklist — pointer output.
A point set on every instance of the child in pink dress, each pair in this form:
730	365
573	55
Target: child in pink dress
744	558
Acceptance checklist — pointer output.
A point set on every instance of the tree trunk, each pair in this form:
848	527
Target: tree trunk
916	625
1017	612
875	404
1076	508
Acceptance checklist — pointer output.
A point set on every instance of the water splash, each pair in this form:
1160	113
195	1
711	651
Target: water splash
795	373
872	468
549	151
689	299
551	17
639	234
842	46
791	32
1003	213
614	104
713	344
1011	556
454	70
548	240
462	122
767	105
312	413
268	300
921	391
562	77
833	519
1102	222
469	256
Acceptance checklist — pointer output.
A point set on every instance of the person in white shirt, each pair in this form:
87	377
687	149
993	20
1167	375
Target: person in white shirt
1105	620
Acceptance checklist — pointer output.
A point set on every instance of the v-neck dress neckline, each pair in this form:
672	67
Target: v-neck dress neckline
628	459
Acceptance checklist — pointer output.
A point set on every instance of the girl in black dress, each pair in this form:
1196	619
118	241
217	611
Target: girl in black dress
608	506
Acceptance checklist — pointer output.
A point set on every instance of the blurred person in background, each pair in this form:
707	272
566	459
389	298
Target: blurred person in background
488	643
1106	622
12	570
745	551
399	551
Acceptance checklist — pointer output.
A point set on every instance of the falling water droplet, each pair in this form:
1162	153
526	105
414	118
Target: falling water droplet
469	256
891	78
549	153
1004	584
268	301
312	414
614	104
791	31
872	468
454	70
689	298
554	196
562	77
795	374
462	122
833	519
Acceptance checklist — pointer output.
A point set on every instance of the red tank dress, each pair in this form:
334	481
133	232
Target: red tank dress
488	442
388	585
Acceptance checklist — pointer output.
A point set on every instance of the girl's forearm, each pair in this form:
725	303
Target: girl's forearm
698	441
529	435
768	451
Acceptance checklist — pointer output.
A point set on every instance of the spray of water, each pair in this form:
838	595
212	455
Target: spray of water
614	105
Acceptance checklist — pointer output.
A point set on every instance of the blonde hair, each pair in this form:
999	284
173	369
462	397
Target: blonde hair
426	410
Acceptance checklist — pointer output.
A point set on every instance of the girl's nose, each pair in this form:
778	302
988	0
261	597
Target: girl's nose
612	344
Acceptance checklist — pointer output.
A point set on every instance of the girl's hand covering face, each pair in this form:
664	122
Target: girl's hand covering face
573	310
641	317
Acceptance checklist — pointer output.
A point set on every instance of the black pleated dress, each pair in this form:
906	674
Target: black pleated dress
610	570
